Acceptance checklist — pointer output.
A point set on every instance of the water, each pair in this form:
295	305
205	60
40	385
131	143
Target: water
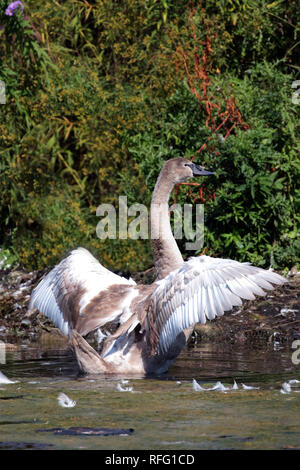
165	412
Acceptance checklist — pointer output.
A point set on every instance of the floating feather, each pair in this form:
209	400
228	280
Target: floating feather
5	380
217	387
65	401
249	387
235	386
125	389
285	388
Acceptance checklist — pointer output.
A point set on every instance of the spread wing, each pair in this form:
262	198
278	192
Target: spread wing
202	288
80	293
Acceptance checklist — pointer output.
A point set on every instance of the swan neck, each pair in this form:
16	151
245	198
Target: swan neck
167	256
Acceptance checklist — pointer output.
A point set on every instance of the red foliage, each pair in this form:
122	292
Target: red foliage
195	65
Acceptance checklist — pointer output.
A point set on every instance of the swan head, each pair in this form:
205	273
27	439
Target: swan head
181	169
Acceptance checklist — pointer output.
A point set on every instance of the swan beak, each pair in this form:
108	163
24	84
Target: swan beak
199	170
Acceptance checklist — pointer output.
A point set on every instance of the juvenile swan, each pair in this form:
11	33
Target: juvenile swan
154	321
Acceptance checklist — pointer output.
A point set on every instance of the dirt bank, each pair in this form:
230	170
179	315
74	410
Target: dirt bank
272	319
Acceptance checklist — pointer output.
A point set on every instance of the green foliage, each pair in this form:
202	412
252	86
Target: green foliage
255	215
256	210
96	103
8	259
257	30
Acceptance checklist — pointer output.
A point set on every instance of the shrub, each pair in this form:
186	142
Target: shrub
97	103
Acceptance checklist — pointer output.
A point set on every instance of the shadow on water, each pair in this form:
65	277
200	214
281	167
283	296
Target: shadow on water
161	412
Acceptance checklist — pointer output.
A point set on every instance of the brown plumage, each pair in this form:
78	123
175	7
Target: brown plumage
152	322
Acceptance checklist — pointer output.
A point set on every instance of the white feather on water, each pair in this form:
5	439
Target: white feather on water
5	380
220	387
235	386
217	387
125	389
286	386
65	401
249	387
197	387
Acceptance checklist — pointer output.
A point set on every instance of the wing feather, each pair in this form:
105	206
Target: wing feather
202	288
80	293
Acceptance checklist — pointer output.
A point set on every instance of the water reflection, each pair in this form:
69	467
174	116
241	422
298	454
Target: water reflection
164	411
214	361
